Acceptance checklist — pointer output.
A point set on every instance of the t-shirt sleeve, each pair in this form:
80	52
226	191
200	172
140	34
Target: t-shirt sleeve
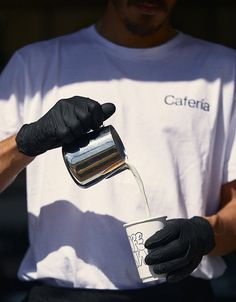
229	173
12	94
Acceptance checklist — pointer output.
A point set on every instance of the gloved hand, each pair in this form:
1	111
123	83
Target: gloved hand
64	123
178	248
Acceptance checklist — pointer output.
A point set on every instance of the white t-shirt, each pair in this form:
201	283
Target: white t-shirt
176	117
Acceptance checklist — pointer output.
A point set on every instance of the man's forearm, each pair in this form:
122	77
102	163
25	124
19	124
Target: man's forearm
11	161
224	222
225	236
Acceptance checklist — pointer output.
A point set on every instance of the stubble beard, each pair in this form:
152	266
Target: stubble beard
143	26
141	29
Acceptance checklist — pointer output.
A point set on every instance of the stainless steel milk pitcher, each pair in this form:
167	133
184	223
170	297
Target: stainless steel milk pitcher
98	155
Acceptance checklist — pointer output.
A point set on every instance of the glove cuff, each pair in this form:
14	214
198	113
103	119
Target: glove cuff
22	141
207	234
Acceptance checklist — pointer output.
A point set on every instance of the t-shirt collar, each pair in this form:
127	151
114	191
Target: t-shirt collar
121	51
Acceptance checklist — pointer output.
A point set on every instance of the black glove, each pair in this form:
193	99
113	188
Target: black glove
64	123
178	248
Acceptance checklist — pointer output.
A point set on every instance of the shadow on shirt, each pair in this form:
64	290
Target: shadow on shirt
62	233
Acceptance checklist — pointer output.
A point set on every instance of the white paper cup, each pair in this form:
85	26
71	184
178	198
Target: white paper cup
138	232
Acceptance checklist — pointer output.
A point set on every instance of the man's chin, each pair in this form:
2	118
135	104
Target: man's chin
140	29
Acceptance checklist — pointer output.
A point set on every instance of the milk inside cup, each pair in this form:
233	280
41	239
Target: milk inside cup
138	232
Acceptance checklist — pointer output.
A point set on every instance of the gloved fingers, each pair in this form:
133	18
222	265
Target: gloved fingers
56	131
169	233
64	136
173	264
74	125
96	112
173	250
68	122
83	114
184	272
108	109
100	112
89	115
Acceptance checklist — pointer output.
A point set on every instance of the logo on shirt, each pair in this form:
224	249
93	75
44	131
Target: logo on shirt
172	100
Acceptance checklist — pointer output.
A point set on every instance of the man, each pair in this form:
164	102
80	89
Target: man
175	112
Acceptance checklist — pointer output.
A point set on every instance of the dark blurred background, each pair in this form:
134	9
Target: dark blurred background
25	21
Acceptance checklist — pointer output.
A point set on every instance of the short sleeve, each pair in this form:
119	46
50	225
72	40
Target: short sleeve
12	93
229	173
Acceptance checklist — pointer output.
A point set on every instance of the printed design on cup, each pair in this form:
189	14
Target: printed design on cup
138	248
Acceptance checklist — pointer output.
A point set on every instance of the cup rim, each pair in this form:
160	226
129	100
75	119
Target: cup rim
144	220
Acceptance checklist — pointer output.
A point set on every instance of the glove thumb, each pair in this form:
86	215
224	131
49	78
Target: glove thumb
108	109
